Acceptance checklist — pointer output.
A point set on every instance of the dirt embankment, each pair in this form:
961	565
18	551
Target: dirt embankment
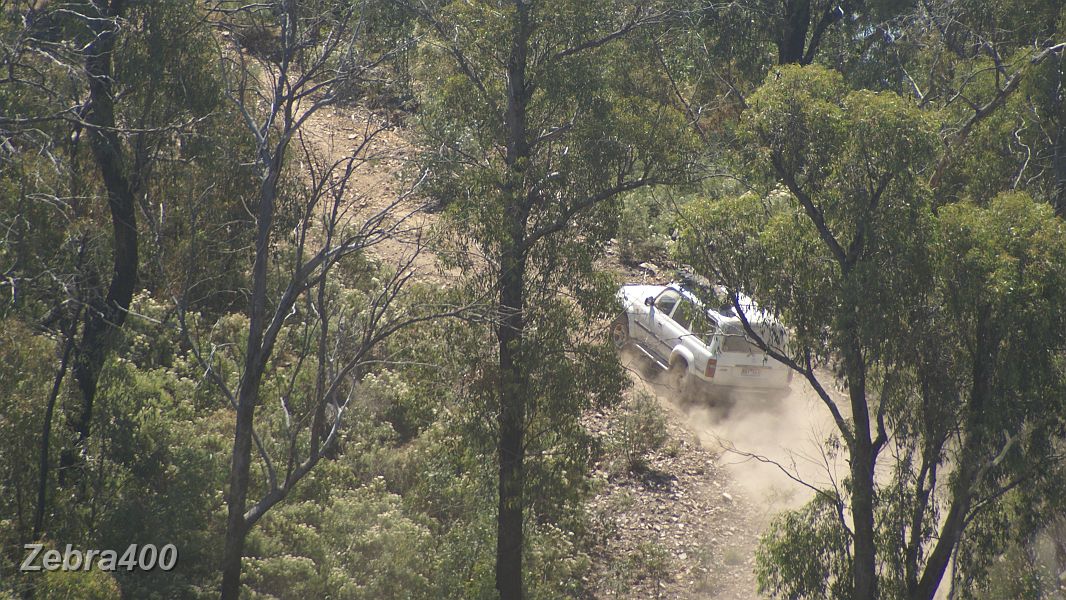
385	181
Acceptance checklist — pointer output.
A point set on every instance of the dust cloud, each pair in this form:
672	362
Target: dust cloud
768	445
772	449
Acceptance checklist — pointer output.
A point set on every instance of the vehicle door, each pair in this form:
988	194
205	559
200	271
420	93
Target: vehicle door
657	316
672	329
703	329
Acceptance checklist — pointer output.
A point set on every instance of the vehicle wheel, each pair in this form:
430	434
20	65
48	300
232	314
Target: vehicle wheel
620	332
678	375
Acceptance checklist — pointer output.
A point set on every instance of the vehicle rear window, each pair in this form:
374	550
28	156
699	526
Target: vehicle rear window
738	343
734	340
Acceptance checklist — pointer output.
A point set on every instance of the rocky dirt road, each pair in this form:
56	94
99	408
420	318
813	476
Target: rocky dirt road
688	526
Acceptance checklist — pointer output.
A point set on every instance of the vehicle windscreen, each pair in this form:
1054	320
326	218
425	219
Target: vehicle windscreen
666	301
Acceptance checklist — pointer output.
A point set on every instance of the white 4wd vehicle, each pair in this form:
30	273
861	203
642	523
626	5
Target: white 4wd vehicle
701	345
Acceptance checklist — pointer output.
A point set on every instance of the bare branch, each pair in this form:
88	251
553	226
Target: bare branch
982	112
640	18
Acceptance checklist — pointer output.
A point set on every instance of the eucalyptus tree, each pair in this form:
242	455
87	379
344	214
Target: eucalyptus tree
88	56
927	319
541	115
997	69
301	328
108	108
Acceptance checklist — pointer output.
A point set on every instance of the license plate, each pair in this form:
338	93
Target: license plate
750	371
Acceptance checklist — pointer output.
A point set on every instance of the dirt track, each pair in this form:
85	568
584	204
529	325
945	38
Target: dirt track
790	432
754	442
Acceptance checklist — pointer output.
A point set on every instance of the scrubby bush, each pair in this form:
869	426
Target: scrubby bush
639	430
77	585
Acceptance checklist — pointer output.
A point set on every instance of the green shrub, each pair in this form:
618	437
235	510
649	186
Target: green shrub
358	544
77	585
642	231
640	429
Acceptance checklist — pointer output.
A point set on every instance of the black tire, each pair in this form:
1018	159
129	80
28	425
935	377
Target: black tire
620	332
678	375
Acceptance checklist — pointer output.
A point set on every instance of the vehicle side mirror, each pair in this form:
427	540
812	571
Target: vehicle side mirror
649	301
